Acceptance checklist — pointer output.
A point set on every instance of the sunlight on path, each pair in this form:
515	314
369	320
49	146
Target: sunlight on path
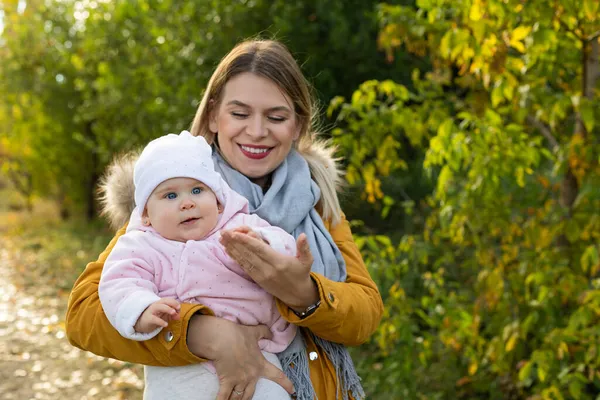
36	359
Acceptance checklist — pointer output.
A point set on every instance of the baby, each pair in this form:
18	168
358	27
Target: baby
171	253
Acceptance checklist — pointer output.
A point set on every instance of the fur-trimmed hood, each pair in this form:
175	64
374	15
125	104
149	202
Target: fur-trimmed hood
116	189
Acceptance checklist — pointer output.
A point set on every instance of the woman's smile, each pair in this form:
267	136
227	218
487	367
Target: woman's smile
255	152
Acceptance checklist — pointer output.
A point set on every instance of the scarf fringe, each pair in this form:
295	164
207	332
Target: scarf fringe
294	361
295	367
346	375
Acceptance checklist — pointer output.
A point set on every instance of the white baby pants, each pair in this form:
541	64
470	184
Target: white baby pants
197	382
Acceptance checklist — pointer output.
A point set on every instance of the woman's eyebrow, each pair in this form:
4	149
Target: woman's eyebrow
242	104
238	103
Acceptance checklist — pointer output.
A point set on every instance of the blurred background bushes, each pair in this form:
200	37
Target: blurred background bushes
468	130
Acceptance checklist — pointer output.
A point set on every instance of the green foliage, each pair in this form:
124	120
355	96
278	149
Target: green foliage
492	292
81	81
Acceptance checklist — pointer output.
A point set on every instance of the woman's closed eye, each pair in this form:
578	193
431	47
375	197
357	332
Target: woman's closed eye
276	118
273	118
240	115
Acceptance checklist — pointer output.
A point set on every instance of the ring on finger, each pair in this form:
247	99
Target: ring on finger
238	392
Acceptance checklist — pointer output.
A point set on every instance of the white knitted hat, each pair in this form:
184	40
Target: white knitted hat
175	156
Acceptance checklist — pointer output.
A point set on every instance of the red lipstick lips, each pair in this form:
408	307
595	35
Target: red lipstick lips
255	152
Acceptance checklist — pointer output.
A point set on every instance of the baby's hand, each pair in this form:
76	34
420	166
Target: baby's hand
248	231
157	315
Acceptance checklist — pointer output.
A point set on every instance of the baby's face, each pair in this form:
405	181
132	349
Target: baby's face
182	209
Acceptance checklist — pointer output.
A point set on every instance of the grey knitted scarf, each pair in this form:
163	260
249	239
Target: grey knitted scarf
289	203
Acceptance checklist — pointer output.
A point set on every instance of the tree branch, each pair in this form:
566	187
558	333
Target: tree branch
545	130
593	36
569	29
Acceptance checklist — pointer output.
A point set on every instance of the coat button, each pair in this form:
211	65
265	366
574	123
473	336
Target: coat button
313	355
169	336
331	297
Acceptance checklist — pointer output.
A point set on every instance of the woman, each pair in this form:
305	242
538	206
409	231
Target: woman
257	112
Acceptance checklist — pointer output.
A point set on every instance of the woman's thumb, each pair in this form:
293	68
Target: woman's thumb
303	250
276	375
261	332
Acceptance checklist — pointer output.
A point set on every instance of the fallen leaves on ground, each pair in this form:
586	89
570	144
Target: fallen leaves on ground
38	268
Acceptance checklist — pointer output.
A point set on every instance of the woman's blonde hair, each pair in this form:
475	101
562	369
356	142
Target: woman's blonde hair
272	60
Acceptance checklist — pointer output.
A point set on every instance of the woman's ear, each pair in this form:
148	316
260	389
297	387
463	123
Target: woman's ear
212	116
297	130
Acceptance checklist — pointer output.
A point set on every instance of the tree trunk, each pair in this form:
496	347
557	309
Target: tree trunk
91	191
570	186
29	180
63	204
23	183
94	176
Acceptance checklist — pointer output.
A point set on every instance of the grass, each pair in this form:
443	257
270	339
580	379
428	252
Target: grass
49	252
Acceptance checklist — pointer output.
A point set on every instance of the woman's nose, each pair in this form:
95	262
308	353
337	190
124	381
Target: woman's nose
256	127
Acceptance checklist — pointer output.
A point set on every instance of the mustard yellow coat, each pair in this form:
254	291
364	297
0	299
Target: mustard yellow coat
349	313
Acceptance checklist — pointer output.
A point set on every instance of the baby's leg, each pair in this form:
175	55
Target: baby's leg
267	389
199	382
190	382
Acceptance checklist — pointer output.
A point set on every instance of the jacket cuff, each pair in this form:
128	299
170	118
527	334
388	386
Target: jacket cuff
173	339
325	310
131	310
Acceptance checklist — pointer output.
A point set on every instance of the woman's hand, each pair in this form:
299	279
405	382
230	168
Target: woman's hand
285	277
234	350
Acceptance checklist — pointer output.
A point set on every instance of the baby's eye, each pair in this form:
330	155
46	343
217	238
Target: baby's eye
171	196
197	190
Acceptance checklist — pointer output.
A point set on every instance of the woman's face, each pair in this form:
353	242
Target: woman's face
255	125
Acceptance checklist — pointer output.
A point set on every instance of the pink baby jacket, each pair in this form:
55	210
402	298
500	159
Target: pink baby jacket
144	267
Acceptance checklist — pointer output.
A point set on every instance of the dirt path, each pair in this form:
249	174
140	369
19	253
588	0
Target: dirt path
37	361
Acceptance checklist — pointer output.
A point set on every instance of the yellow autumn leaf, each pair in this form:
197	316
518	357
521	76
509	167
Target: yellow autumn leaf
508	91
563	350
473	368
517	36
511	342
446	44
525	371
476	65
542	373
519	33
518	46
476	12
520	175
